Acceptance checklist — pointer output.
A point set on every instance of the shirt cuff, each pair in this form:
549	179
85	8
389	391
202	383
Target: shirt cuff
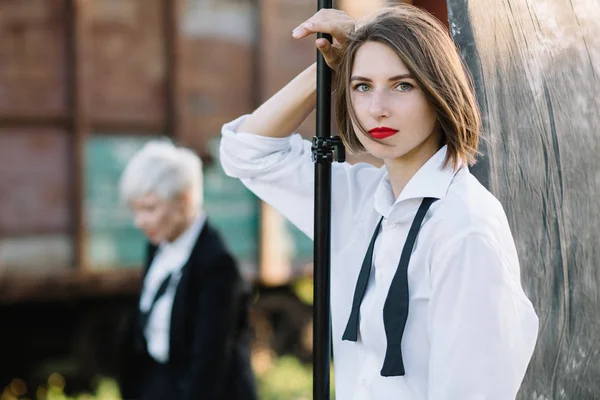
245	155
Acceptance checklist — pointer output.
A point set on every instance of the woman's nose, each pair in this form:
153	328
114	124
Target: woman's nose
379	107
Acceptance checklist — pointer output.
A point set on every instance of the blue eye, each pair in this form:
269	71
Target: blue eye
362	87
404	86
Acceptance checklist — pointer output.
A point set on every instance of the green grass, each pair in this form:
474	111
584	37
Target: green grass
286	379
107	389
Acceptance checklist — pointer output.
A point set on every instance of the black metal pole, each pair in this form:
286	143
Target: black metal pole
322	234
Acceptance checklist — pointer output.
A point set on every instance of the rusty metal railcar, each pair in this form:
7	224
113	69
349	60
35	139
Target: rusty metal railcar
83	83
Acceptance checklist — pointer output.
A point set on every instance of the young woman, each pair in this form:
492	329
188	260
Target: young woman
426	295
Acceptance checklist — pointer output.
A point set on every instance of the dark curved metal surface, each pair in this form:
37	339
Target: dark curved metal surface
537	70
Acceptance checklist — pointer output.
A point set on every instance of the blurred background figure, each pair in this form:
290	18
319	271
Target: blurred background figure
189	337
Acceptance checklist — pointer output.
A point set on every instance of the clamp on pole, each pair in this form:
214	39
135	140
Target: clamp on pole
328	149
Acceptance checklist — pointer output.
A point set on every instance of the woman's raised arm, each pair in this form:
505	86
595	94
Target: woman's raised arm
280	115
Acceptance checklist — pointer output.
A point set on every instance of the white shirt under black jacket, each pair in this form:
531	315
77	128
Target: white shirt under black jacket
471	330
169	258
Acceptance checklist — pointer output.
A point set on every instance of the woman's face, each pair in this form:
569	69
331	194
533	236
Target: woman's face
390	105
160	220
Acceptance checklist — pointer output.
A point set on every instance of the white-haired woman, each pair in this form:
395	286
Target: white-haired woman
189	338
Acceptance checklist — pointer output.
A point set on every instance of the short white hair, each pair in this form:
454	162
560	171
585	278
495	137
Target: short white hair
163	169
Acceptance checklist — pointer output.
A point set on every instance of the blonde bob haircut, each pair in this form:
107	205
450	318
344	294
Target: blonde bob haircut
425	47
162	169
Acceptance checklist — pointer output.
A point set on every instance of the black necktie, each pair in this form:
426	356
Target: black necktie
162	289
395	309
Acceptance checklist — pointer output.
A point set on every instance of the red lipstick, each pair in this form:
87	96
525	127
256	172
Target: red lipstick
382	132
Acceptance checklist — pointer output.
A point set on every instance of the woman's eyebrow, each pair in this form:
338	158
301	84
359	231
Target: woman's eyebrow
393	78
402	76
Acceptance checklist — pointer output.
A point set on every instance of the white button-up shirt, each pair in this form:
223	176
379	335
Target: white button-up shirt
470	331
169	259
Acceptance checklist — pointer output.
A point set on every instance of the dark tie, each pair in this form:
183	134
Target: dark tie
162	289
395	309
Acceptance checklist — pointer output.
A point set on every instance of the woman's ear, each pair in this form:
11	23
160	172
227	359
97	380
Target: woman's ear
185	200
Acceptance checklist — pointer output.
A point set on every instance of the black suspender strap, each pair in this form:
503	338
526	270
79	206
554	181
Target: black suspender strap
395	309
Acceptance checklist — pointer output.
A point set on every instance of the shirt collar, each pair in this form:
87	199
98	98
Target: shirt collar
431	180
187	240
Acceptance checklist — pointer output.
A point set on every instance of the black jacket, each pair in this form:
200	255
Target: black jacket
209	348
